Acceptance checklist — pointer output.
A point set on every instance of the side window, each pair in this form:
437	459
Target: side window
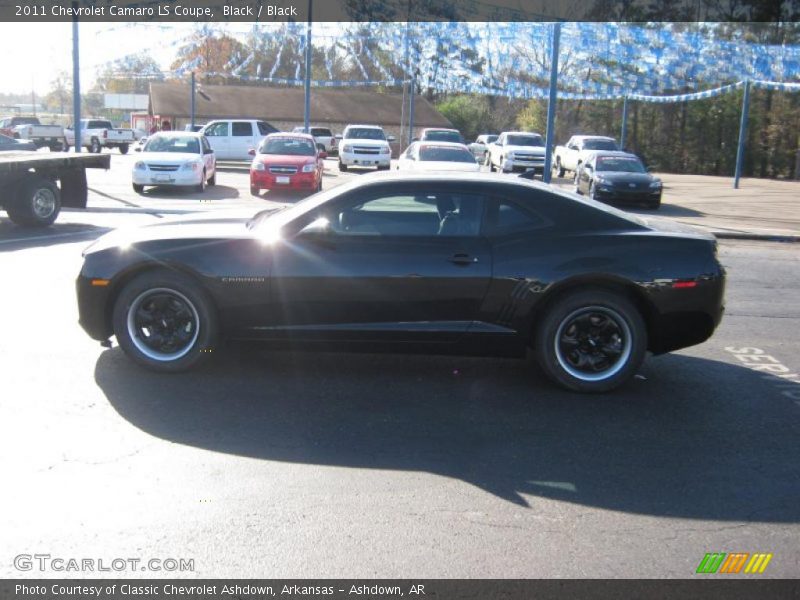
511	217
218	129
266	128
242	129
423	214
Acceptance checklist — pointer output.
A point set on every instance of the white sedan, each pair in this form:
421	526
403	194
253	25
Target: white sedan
175	158
437	156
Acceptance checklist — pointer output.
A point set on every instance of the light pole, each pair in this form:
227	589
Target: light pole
307	108
76	81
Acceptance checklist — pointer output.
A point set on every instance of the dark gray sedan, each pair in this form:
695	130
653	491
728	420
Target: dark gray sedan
8	144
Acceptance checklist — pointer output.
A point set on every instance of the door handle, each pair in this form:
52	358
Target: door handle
462	259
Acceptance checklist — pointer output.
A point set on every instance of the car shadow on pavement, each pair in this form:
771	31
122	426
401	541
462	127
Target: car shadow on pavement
212	192
13	237
697	438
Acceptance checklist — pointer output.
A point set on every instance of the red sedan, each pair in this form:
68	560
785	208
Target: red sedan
287	161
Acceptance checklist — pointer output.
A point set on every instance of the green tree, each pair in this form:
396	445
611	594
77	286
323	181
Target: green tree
469	114
128	75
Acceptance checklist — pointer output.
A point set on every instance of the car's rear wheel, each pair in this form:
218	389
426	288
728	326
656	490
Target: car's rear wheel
559	169
213	179
123	148
591	341
165	321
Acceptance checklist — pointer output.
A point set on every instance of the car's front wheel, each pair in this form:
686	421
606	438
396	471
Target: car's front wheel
591	341
165	321
342	166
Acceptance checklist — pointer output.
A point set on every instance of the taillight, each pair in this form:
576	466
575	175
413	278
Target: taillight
684	284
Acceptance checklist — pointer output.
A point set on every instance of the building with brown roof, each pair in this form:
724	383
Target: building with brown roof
283	106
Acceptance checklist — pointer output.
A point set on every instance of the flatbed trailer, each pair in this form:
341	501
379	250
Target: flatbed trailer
34	187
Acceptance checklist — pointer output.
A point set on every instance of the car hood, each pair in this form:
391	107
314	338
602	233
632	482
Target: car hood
443	165
525	149
168	157
284	159
217	225
356	142
624	177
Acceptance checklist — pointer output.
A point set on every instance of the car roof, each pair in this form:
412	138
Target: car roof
520	133
619	153
440	129
445	144
365	126
291	134
593	137
177	133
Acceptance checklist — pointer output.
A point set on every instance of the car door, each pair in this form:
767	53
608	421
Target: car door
209	160
400	262
218	134
243	139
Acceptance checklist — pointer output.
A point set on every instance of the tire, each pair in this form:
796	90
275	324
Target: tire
254	191
65	147
138	188
123	149
560	171
319	186
36	203
655	204
201	187
592	191
213	180
491	167
342	166
384	167
610	321
94	146
181	305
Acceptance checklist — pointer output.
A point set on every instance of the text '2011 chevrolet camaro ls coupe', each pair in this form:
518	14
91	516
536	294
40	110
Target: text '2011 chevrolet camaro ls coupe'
440	263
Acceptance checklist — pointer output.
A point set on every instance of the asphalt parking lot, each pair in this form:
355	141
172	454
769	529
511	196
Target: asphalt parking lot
271	464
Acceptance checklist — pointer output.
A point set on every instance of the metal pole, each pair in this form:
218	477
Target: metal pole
411	109
76	82
405	83
307	112
549	143
624	123
192	104
742	133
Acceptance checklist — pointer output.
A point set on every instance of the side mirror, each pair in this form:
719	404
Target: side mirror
251	152
137	149
322	154
390	138
208	151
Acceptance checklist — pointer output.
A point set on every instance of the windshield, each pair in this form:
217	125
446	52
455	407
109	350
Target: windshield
443	136
364	133
320	132
622	164
525	140
600	145
176	143
287	146
445	153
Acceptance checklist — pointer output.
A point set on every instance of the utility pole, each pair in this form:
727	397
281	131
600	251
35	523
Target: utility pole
307	111
192	101
551	104
76	81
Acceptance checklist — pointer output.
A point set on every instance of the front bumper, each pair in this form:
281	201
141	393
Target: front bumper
523	165
265	180
148	177
92	302
632	196
352	159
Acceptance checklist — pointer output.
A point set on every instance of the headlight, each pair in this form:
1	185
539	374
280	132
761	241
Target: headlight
309	168
191	166
654	185
140	166
509	156
385	150
259	166
601	180
347	148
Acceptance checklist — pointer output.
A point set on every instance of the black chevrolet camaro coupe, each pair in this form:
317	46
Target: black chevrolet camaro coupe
439	263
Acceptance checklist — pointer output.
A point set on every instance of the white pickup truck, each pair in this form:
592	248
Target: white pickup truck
516	150
572	155
97	134
29	128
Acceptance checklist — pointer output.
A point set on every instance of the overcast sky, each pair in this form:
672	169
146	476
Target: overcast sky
45	48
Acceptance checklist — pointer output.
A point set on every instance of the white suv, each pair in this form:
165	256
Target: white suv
365	146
